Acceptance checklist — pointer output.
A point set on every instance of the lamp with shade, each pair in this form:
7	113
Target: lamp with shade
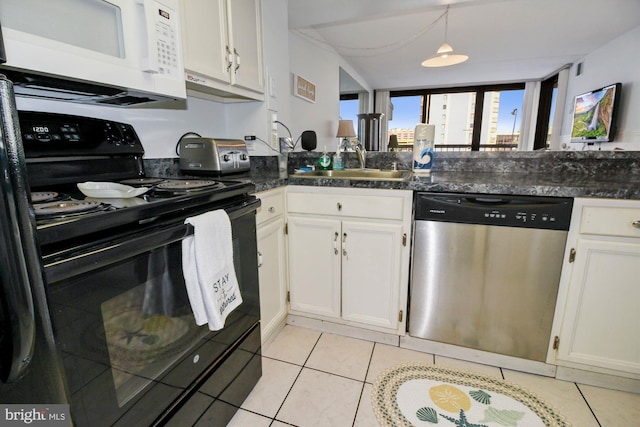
393	142
345	131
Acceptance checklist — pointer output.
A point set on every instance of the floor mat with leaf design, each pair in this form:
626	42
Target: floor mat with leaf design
422	395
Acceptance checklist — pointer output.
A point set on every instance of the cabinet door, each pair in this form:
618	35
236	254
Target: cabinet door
600	326
246	42
371	256
314	265
272	275
204	28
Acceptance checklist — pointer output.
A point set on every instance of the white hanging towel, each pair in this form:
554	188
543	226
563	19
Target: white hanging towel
207	265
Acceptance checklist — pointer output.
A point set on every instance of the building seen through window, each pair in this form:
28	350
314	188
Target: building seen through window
478	118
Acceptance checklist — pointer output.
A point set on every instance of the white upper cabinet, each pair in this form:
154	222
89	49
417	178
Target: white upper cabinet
245	39
223	48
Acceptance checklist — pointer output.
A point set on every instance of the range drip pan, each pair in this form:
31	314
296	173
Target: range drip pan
185	186
65	208
43	196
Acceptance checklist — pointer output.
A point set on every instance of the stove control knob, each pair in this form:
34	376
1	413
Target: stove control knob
243	157
226	157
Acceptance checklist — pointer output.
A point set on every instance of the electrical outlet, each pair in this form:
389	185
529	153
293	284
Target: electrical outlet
273	130
249	141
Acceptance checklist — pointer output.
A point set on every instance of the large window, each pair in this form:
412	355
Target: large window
470	118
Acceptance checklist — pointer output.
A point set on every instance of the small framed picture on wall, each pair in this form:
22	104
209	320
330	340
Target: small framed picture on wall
304	89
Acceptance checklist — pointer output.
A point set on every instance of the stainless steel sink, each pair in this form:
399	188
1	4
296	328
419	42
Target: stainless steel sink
358	174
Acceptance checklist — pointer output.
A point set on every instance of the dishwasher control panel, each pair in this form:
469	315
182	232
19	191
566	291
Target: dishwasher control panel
553	213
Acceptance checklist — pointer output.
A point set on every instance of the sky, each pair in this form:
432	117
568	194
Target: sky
406	111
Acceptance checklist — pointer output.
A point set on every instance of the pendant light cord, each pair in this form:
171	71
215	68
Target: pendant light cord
446	23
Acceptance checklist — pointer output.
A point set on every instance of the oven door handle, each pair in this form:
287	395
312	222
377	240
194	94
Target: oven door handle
84	262
19	258
130	246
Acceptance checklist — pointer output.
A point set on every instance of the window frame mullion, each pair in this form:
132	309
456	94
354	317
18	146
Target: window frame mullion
477	121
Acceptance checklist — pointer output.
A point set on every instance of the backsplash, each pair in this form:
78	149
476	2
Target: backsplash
260	165
601	163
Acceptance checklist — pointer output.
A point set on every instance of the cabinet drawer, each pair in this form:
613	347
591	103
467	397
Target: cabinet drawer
610	221
272	206
379	207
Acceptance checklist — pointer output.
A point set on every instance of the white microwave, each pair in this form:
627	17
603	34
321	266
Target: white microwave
116	52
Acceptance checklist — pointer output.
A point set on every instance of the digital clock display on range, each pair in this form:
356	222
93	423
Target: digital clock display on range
40	129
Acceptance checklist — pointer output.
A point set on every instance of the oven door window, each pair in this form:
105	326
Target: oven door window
147	328
128	337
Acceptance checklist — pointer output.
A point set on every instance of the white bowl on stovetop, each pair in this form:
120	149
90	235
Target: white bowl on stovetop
110	190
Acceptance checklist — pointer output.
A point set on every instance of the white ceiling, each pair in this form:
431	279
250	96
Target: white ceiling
506	40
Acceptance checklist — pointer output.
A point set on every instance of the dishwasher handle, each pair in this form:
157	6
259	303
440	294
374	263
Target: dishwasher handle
488	200
553	213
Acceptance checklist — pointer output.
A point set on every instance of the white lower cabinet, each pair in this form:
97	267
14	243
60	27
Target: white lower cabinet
314	265
598	311
272	262
371	264
348	255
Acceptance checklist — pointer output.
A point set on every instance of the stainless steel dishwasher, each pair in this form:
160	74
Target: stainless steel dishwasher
486	269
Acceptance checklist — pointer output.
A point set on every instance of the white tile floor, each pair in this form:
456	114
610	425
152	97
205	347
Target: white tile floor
312	378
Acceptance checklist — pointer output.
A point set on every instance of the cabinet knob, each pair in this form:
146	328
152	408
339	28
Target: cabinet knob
339	205
272	209
636	224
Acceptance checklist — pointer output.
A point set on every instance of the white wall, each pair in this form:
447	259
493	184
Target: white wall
617	61
158	128
319	64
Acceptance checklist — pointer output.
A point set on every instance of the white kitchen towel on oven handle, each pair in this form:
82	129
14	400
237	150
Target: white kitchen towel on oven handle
209	273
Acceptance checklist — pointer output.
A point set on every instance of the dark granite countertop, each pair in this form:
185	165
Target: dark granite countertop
595	174
495	183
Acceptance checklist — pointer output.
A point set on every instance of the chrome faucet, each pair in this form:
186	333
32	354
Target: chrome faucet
362	154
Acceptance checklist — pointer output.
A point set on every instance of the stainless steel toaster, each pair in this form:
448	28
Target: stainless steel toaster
213	156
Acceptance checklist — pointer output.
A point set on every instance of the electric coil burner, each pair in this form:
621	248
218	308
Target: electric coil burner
63	209
43	196
131	350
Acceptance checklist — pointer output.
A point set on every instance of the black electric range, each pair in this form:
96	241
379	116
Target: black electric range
131	351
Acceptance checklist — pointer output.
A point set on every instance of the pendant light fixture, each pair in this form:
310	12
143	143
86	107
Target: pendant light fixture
445	55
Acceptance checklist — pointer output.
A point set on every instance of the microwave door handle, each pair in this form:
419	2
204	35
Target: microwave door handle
150	60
